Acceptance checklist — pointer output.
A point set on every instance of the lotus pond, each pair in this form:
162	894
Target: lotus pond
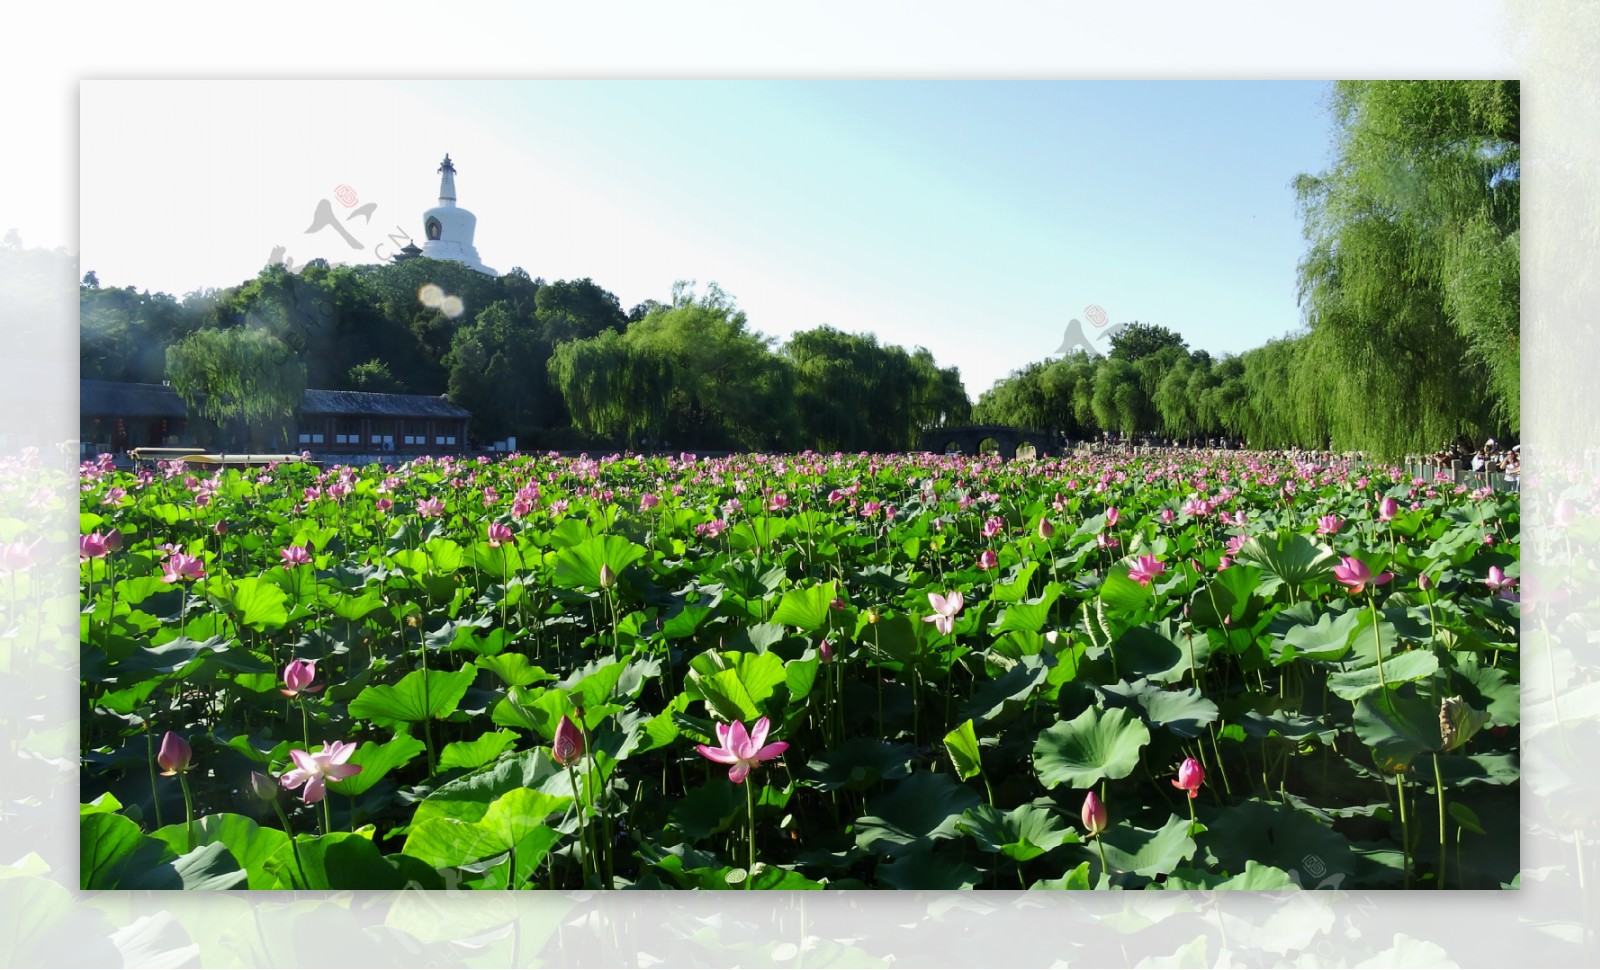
1214	670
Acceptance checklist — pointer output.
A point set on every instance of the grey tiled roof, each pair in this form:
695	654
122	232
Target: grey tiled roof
391	405
119	399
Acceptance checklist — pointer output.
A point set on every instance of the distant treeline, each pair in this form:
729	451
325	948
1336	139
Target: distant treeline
555	364
1411	334
1410	286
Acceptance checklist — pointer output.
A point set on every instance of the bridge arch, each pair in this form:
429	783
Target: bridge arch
968	439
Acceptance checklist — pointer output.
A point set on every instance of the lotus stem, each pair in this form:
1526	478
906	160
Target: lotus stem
583	846
750	806
1438	790
188	807
1405	828
1377	640
150	759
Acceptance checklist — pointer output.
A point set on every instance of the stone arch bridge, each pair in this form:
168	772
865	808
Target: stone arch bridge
968	438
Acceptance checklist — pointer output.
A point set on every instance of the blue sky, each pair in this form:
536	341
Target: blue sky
972	218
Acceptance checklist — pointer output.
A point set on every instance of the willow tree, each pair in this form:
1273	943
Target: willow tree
242	377
1173	403
854	394
613	389
1411	280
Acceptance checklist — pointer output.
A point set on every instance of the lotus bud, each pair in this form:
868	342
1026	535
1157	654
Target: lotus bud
174	755
1094	814
263	787
568	746
608	578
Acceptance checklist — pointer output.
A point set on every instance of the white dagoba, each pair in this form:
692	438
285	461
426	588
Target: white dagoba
448	228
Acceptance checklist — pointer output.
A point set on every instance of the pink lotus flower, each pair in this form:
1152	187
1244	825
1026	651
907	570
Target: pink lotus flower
181	567
1190	777
648	501
1424	583
1106	540
92	546
1167	516
1355	574
1146	568
1095	817
988	560
1329	525
568	745
993	526
430	508
1499	584
294	556
498	532
384	504
221	527
297	677
825	651
945	609
1235	544
1112	515
314	771
741	750
1046	530
17	556
174	755
1388	509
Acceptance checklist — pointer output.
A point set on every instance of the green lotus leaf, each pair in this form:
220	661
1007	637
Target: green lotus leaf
420	695
1090	747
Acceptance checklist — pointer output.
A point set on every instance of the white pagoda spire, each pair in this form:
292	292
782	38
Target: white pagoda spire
447	183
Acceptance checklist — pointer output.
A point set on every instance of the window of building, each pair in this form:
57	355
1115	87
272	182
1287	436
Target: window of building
445	439
347	431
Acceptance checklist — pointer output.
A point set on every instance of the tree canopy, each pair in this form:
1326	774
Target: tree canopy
1410	332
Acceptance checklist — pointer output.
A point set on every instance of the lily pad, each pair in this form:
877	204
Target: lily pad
1091	747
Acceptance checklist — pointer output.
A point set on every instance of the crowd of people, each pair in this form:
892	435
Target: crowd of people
1490	458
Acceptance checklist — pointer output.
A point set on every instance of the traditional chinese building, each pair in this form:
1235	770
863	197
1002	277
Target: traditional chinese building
366	423
115	416
447	228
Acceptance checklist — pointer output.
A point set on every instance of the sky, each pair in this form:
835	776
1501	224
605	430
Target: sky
972	218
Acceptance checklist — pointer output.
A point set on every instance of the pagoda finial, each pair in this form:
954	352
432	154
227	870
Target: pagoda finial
447	182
